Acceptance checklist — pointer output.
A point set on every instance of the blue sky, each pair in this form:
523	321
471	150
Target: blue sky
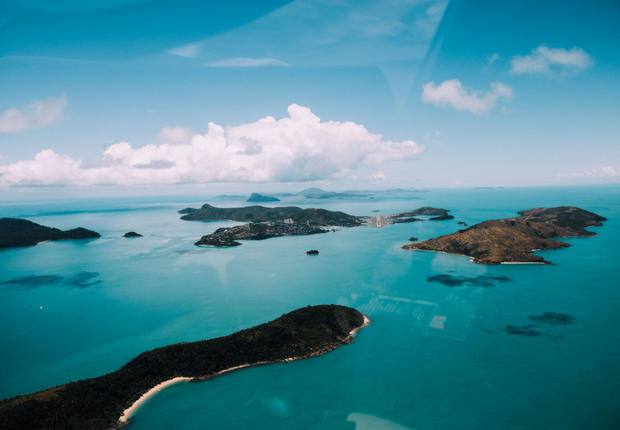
143	96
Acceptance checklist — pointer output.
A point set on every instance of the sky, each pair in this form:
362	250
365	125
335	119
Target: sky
152	96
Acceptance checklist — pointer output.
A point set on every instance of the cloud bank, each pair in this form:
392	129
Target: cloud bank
296	148
604	172
38	114
451	93
547	61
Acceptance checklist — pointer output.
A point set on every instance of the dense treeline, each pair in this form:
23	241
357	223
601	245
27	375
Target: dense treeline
99	402
15	232
321	217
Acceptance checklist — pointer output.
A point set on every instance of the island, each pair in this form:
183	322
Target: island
17	232
437	213
289	214
261	198
317	193
228	196
132	234
513	240
223	237
98	403
313	252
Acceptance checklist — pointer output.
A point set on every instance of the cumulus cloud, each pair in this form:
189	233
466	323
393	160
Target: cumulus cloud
175	135
605	172
452	93
377	177
38	114
247	62
544	60
299	147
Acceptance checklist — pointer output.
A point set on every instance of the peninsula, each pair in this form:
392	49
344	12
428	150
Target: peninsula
98	403
513	240
16	232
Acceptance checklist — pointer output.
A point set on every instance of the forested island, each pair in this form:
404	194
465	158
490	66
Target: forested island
98	403
16	232
513	240
262	198
223	237
315	217
437	214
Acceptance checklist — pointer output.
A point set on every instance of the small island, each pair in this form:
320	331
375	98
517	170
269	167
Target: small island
16	232
98	403
511	241
312	252
132	234
437	214
261	198
223	237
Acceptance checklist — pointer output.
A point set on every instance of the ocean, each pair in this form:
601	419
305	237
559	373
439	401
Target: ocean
451	345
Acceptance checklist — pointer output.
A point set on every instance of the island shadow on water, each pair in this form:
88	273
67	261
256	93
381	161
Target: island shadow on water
77	280
483	281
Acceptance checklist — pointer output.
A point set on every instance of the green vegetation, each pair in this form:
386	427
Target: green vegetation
224	237
437	213
132	234
98	403
513	240
261	198
319	217
15	232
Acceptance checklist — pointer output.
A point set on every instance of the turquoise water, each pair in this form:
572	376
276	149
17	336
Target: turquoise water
439	353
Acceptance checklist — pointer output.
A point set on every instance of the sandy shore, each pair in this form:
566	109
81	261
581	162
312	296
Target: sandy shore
127	413
152	391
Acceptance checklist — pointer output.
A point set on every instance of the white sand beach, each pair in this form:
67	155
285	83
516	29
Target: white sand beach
127	413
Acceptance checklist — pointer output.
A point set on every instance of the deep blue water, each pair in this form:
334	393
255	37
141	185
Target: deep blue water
452	344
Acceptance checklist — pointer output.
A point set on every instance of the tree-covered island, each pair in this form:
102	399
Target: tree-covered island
97	403
513	240
16	232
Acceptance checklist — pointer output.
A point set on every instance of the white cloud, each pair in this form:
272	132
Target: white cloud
452	93
189	51
176	135
377	177
493	58
38	114
603	172
545	60
296	148
247	62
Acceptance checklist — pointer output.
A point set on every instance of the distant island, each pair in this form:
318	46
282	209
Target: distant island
291	214
513	240
410	216
98	403
317	193
132	234
16	232
224	237
264	223
261	198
